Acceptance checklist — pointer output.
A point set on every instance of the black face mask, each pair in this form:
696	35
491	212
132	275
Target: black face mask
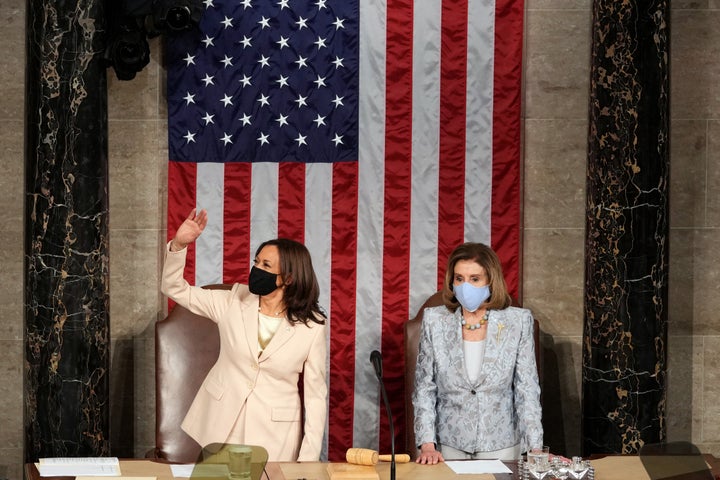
262	282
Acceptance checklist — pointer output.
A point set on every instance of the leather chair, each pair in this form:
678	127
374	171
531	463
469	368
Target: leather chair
186	347
412	343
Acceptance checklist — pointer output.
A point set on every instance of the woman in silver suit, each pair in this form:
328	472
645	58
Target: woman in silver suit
476	393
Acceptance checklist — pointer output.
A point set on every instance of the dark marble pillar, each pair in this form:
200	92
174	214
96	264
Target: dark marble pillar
626	241
67	330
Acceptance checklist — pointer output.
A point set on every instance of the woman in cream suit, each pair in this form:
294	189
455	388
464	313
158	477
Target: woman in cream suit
476	385
271	331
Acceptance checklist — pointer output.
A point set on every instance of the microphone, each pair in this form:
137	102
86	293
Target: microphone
376	360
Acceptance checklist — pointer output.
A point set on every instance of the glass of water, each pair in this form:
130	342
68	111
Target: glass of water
538	461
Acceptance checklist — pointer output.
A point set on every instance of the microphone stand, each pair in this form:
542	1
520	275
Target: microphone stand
376	360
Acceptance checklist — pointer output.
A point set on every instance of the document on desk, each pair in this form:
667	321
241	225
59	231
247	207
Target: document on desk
477	466
78	466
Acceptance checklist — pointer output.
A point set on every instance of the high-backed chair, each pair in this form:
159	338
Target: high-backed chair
412	343
186	347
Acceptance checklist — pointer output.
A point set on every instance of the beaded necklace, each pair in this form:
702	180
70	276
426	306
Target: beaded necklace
475	326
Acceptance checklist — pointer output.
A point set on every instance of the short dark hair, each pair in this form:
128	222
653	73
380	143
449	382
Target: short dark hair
486	258
302	290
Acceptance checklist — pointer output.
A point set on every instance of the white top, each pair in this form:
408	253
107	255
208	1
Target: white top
474	353
267	326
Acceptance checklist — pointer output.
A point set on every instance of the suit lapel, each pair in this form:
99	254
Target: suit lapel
457	355
283	335
249	310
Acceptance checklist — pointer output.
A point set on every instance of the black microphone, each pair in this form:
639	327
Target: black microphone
376	360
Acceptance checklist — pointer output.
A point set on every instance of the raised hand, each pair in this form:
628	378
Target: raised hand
189	230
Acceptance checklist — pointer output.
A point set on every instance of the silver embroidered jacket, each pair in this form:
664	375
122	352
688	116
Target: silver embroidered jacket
502	408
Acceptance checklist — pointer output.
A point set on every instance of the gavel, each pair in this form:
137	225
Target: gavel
366	456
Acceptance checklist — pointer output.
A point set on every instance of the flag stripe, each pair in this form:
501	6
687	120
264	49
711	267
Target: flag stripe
263	203
237	253
396	228
453	69
506	139
291	201
479	128
181	192
209	194
426	138
342	311
371	154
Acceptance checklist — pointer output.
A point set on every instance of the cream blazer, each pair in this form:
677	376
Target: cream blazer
259	392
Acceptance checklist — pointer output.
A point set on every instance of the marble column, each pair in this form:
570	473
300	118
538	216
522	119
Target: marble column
67	331
626	241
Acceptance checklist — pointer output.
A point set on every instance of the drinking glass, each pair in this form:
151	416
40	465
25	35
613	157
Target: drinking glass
538	461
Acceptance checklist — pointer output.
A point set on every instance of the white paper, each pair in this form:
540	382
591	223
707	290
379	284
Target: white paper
73	467
478	466
182	471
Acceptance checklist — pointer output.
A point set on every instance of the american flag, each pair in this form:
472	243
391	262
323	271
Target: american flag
381	134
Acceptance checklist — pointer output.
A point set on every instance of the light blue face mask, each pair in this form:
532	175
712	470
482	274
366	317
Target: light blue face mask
470	296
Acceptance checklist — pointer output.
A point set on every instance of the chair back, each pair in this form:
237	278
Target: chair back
186	347
412	343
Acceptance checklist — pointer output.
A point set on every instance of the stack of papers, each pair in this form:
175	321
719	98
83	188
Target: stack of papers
73	467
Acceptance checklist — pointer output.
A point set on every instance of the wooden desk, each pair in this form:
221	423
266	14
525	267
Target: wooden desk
292	471
607	468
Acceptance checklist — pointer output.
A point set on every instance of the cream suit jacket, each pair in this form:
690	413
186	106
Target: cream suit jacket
259	392
498	411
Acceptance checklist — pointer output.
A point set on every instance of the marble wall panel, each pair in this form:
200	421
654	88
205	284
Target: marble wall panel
681	278
12	53
712	196
705	281
11	214
11	393
11	180
684	387
711	389
558	4
553	269
557	63
11	408
554	168
134	174
144	425
135	303
12	86
11	293
695	70
688	167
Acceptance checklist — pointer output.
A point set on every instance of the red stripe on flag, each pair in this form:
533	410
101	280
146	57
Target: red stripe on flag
396	224
236	222
182	186
291	201
342	308
453	85
505	216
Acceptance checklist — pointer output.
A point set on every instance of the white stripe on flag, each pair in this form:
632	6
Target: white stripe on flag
425	154
209	246
479	132
368	321
263	204
318	224
318	235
